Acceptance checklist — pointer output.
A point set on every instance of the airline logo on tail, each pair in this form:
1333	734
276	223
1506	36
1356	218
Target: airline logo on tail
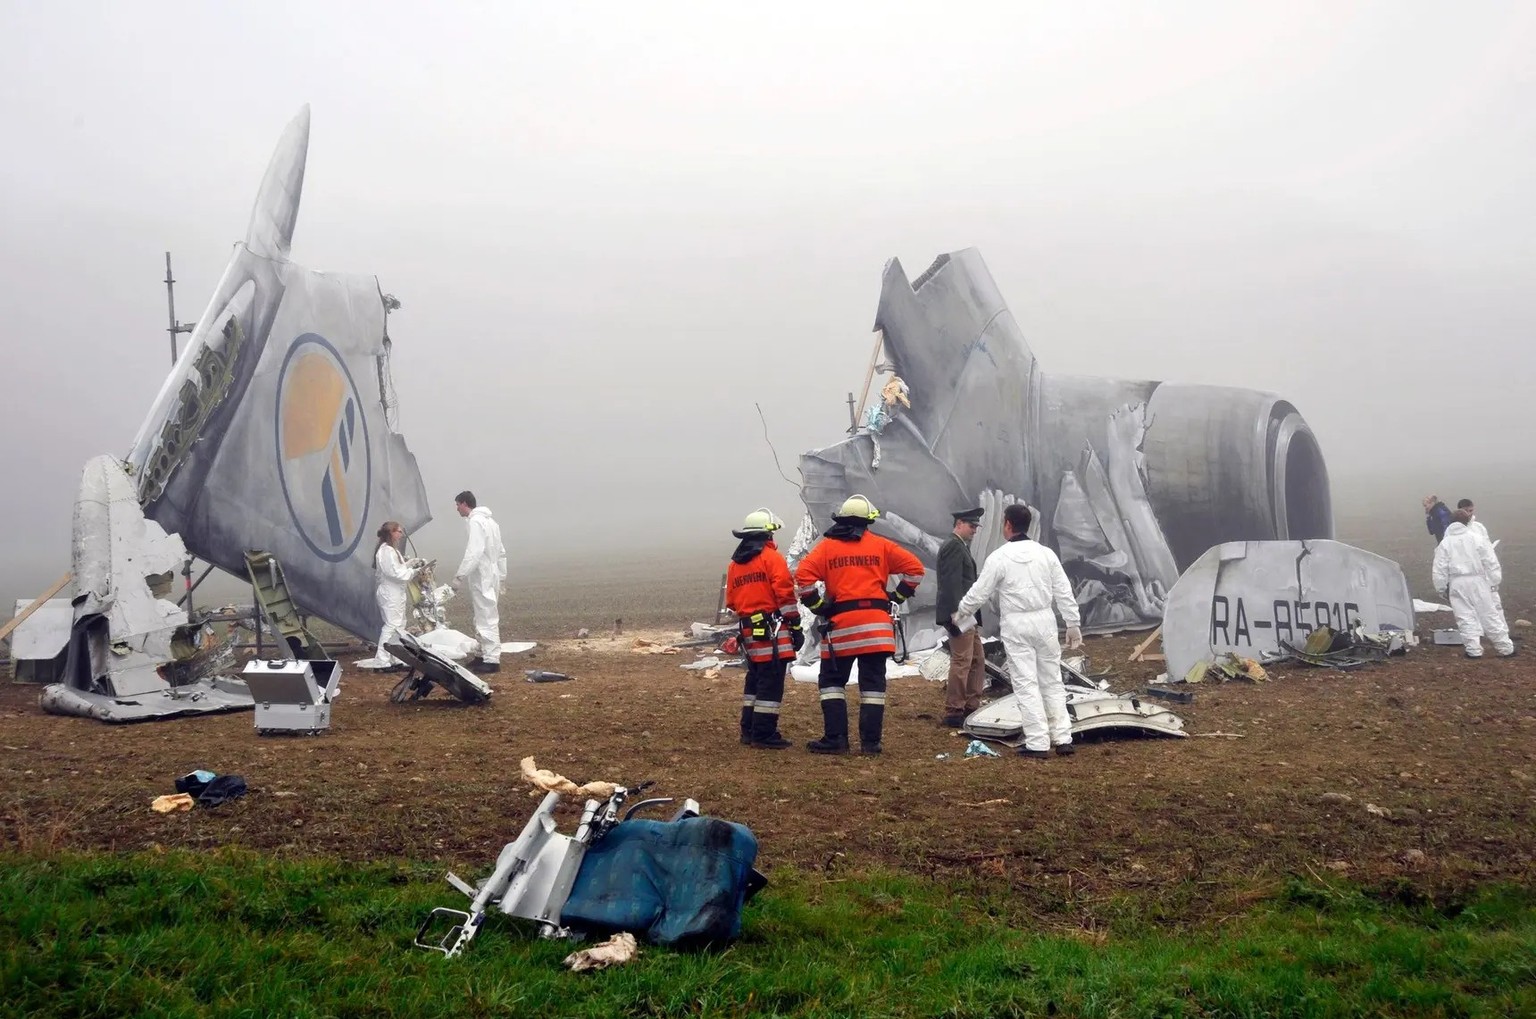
323	459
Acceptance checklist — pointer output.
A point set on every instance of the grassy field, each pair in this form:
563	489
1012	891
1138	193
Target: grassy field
233	933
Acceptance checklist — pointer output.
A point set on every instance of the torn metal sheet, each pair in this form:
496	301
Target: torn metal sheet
1090	702
127	637
275	430
204	697
428	667
1132	480
1000	719
38	642
1249	597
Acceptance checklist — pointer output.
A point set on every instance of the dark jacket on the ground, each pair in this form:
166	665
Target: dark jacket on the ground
957	572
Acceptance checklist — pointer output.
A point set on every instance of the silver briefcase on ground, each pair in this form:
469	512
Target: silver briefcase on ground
292	696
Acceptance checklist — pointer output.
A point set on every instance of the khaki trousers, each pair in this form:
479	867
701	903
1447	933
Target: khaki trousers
967	674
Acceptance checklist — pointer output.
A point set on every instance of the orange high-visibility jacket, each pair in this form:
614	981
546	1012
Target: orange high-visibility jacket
854	572
761	587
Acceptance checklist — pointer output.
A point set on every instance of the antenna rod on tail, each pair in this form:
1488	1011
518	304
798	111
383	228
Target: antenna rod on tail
170	309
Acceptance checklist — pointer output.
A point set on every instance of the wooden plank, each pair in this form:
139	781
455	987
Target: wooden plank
1139	654
21	617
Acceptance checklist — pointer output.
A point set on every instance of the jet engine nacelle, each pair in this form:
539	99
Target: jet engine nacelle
1131	481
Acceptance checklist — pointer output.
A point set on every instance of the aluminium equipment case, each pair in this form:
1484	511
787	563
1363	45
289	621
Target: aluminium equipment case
292	695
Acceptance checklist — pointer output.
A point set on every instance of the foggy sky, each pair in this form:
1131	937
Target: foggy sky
613	228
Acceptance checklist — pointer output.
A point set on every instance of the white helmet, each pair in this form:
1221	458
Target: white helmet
761	521
856	507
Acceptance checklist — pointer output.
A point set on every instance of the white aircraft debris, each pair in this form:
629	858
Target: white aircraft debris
275	429
127	636
1258	597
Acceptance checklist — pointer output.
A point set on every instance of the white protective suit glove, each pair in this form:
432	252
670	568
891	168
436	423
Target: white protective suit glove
458	584
1074	637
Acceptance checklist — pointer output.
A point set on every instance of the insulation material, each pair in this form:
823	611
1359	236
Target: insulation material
616	951
549	782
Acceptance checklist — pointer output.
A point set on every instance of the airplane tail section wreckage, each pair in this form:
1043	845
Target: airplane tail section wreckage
1131	481
275	430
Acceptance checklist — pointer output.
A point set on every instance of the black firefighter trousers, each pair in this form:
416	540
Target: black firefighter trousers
832	683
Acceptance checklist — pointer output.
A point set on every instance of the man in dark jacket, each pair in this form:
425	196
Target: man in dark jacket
967	663
1437	517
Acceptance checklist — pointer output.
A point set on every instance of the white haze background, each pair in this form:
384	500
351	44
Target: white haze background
614	227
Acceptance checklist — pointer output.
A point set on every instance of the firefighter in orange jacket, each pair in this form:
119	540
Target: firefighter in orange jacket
759	590
844	580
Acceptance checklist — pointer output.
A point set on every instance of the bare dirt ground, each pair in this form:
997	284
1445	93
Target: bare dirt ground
1436	756
1444	748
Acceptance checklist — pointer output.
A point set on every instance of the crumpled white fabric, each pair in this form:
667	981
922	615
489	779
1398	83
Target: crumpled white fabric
449	643
619	949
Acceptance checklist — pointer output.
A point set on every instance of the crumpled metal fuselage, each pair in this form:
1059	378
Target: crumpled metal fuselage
1130	480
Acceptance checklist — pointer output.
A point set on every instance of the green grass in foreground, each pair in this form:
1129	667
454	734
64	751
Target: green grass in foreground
235	934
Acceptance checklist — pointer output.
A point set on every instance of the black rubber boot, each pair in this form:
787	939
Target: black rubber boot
765	731
834	722
871	724
746	726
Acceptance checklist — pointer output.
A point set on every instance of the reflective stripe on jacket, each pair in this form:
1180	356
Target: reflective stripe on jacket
762	585
852	571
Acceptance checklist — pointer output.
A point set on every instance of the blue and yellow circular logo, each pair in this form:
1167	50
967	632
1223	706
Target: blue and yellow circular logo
323	458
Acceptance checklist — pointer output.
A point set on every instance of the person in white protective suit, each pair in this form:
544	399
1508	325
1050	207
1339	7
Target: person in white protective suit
395	574
1028	579
1476	527
1466	570
483	570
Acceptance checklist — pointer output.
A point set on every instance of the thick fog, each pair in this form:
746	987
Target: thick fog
615	228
